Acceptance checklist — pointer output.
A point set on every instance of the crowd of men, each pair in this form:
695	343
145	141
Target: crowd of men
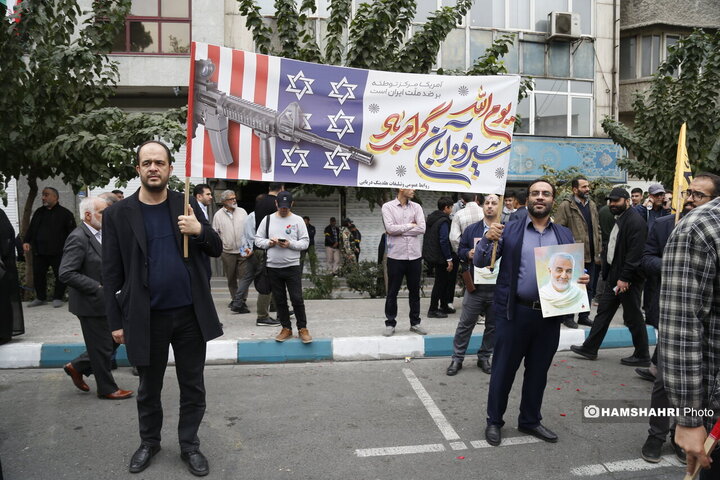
155	291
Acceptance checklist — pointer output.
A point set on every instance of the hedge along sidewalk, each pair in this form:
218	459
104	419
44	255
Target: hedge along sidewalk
343	329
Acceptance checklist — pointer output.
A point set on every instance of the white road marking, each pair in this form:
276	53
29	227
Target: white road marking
506	442
634	465
458	446
379	452
447	430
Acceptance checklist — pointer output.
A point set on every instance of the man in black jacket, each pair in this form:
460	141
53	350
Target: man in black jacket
437	252
50	226
624	282
155	298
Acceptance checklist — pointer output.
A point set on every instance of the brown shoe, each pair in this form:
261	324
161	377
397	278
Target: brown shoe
284	334
304	335
77	377
117	395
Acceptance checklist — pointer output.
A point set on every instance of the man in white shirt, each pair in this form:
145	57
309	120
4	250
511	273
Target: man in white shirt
283	238
229	223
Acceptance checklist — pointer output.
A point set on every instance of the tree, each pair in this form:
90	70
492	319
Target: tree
56	79
377	39
686	88
55	86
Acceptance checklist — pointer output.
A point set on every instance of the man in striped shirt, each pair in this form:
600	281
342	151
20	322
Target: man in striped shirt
404	224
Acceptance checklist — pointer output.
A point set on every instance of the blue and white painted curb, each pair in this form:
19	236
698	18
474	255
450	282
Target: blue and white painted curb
222	352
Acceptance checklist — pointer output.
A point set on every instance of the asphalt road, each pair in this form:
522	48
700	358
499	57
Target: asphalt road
341	420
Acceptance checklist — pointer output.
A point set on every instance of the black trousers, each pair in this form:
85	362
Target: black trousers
632	316
97	358
411	270
443	291
179	328
533	338
659	426
41	263
289	278
593	270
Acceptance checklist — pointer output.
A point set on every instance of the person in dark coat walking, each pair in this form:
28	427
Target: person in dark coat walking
154	298
624	281
521	331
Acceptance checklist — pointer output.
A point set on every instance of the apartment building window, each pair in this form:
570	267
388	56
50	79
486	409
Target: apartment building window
557	108
641	55
160	27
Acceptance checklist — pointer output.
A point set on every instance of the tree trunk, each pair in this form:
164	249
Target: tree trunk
25	224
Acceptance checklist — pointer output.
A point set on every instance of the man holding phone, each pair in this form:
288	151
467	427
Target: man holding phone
284	235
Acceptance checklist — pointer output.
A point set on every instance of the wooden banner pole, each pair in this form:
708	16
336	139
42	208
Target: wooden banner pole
185	206
495	243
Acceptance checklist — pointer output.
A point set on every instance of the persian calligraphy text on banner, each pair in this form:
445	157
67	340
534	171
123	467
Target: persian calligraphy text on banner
259	117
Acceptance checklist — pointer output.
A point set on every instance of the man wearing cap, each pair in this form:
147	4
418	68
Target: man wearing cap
284	235
656	193
624	280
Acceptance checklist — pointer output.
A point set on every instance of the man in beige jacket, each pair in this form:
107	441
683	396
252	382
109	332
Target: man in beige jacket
229	223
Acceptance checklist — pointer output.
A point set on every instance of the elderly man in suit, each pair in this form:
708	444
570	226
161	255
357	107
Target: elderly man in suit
81	270
156	298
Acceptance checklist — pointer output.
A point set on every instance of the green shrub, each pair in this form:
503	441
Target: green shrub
323	288
366	277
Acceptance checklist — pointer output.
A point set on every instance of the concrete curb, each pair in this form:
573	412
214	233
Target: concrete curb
228	352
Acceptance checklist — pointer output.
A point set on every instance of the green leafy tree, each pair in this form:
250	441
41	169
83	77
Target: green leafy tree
686	88
57	79
377	39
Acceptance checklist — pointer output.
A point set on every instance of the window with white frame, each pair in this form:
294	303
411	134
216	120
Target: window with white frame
156	27
557	108
641	55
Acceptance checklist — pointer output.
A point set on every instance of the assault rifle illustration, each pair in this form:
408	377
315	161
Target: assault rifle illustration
213	108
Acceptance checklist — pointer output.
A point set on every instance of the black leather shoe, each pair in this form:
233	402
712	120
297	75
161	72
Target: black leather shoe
585	321
633	361
484	365
448	309
570	323
645	374
540	432
582	352
454	368
142	457
436	314
196	463
492	435
241	309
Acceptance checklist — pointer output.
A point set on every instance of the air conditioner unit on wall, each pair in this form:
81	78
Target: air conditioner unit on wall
563	26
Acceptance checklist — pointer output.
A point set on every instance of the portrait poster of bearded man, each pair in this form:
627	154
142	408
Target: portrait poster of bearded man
558	268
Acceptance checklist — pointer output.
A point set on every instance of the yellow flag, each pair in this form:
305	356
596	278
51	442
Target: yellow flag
683	175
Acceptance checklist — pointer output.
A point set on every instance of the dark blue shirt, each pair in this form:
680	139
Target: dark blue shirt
168	277
445	240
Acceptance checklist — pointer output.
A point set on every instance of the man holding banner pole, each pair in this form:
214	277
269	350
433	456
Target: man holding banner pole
156	298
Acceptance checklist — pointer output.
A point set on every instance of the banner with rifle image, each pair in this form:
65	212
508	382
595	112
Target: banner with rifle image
259	117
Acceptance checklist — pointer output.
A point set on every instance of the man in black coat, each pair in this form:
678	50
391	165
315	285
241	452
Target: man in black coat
81	270
624	280
155	298
50	226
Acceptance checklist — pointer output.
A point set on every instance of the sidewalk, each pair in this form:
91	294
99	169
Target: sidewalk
342	328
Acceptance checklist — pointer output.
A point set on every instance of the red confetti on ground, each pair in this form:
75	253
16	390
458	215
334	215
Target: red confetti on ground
577	389
563	415
622	384
460	458
563	360
554	364
557	388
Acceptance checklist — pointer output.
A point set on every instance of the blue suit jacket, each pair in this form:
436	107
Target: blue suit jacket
510	248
